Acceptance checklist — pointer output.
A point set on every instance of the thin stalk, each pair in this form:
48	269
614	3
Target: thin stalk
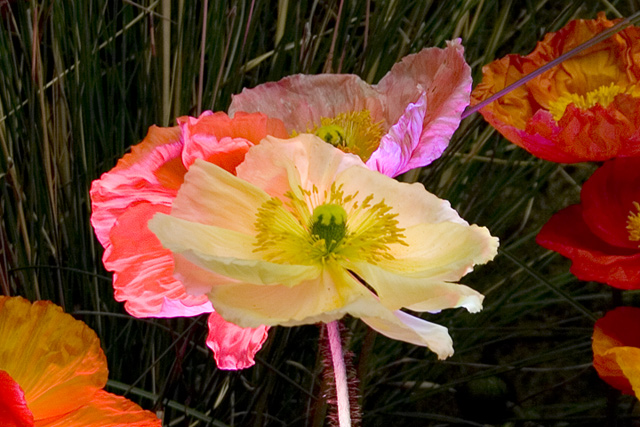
340	374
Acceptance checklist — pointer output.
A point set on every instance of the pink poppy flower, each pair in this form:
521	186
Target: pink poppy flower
53	371
145	182
403	122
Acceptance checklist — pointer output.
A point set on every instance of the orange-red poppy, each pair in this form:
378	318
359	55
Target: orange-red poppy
585	109
616	349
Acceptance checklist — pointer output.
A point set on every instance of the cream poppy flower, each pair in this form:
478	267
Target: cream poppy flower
316	235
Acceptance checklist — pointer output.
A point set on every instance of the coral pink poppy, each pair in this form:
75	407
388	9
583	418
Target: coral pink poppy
585	109
616	349
403	122
52	372
145	182
601	235
311	225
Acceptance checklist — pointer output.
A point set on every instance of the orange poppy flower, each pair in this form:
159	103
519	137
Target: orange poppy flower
52	371
616	349
585	109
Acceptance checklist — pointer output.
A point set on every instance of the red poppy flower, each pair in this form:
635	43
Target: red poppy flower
52	371
601	235
145	182
616	349
585	109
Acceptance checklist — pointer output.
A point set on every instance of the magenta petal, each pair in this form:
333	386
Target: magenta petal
400	148
14	411
178	308
234	347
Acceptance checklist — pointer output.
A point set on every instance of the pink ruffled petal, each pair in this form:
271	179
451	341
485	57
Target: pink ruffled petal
143	269
234	347
300	101
134	180
397	148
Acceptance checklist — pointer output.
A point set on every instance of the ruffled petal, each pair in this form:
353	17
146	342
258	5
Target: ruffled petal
225	252
607	199
322	299
413	204
50	354
148	174
14	411
593	259
416	293
441	251
401	326
394	154
444	78
616	349
106	410
143	269
234	347
278	166
301	101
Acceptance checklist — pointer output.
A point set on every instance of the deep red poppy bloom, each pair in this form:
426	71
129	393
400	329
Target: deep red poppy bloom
616	349
601	235
145	182
585	109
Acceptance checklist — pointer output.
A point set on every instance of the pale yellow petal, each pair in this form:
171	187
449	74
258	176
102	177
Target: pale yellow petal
279	165
325	298
413	204
396	291
179	235
56	359
441	251
210	195
404	327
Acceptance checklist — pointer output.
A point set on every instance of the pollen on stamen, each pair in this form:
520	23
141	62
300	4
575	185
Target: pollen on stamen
604	95
352	132
633	223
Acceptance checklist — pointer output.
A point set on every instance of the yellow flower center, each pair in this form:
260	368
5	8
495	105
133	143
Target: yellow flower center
603	95
338	228
633	223
352	132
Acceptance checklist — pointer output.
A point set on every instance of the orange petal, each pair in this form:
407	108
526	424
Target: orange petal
13	406
106	410
616	349
50	354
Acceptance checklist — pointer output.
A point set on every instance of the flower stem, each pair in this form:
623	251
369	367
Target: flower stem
340	373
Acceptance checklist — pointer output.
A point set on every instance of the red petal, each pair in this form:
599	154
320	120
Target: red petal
593	259
13	406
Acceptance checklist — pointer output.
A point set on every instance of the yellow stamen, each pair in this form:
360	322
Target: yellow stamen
352	132
633	223
603	95
339	228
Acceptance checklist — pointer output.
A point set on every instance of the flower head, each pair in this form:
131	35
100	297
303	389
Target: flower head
403	122
616	349
317	235
600	235
585	109
52	371
145	182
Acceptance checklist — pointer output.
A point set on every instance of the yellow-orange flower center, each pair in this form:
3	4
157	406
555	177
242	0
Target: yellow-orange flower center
352	132
633	223
339	228
603	96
